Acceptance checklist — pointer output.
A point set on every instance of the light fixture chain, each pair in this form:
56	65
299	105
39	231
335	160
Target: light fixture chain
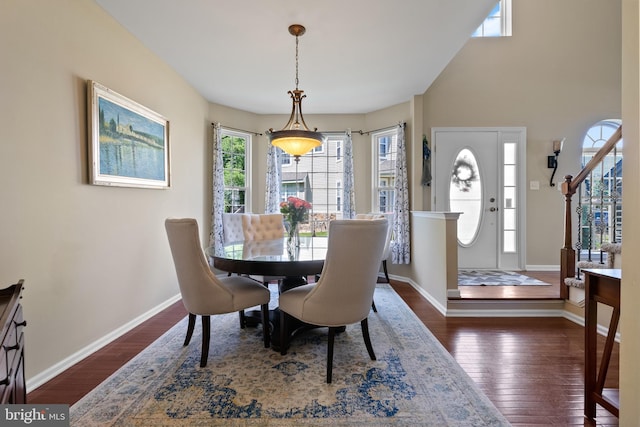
297	63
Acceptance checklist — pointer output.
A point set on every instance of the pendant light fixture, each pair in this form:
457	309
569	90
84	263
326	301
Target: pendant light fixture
295	138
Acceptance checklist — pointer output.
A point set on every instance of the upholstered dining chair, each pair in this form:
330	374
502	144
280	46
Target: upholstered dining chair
259	227
204	294
387	245
344	292
232	227
232	232
263	226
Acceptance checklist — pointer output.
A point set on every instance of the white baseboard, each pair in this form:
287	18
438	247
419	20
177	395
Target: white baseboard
580	321
505	313
46	375
524	312
425	294
542	267
453	293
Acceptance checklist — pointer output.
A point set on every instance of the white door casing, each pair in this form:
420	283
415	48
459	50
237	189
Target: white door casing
473	169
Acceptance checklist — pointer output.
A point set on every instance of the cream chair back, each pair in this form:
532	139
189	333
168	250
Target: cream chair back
389	216
202	292
263	226
345	289
232	227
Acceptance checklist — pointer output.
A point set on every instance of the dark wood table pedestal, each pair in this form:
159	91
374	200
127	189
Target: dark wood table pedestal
601	286
272	258
294	326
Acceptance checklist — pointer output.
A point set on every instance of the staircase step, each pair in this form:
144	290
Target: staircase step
591	264
576	283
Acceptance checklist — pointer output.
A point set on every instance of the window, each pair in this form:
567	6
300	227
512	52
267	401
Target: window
317	178
509	197
498	23
385	145
235	150
465	195
285	159
600	205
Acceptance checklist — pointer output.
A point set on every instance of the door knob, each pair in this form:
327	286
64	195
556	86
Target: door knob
492	209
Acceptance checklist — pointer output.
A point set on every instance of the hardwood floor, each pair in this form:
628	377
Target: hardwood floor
517	292
530	368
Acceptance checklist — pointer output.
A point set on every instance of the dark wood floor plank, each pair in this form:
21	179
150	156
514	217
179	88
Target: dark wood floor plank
530	368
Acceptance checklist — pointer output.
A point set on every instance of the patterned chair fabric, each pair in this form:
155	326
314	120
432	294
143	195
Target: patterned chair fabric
263	226
232	227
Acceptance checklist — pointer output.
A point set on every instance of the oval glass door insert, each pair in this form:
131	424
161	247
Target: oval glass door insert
465	195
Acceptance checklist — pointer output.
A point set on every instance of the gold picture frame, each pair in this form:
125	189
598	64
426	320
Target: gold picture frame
128	143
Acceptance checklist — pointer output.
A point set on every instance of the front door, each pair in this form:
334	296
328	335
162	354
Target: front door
476	173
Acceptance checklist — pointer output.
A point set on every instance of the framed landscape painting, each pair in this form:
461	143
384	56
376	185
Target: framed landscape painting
128	143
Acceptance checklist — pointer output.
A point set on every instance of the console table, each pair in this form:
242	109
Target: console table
12	382
601	286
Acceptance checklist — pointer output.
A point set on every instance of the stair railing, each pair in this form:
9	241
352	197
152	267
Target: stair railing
569	187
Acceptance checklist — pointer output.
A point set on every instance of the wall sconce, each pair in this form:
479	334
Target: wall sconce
552	161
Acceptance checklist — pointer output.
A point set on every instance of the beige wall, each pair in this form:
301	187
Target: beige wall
93	258
556	80
630	320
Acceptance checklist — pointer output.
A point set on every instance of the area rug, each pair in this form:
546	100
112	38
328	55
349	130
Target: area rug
413	382
496	278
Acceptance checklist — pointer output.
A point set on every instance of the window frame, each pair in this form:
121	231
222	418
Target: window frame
319	171
378	183
247	165
285	158
505	16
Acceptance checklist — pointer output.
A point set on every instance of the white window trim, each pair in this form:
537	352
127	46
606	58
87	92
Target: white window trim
247	163
375	182
505	21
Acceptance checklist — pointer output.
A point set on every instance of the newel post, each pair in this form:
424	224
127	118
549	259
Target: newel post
567	253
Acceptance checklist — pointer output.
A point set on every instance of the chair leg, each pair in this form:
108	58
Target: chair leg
243	319
206	335
373	306
332	335
283	333
364	324
190	327
384	267
265	325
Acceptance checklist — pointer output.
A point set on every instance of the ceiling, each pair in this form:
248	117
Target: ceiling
357	56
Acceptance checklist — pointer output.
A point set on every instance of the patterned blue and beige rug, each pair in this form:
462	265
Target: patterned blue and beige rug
414	382
496	278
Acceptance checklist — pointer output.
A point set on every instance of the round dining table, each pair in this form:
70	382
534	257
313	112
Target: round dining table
270	257
292	266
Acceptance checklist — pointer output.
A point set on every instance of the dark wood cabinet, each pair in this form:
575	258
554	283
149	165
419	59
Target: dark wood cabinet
12	324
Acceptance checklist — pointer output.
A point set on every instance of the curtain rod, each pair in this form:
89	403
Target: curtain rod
364	132
239	130
361	132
